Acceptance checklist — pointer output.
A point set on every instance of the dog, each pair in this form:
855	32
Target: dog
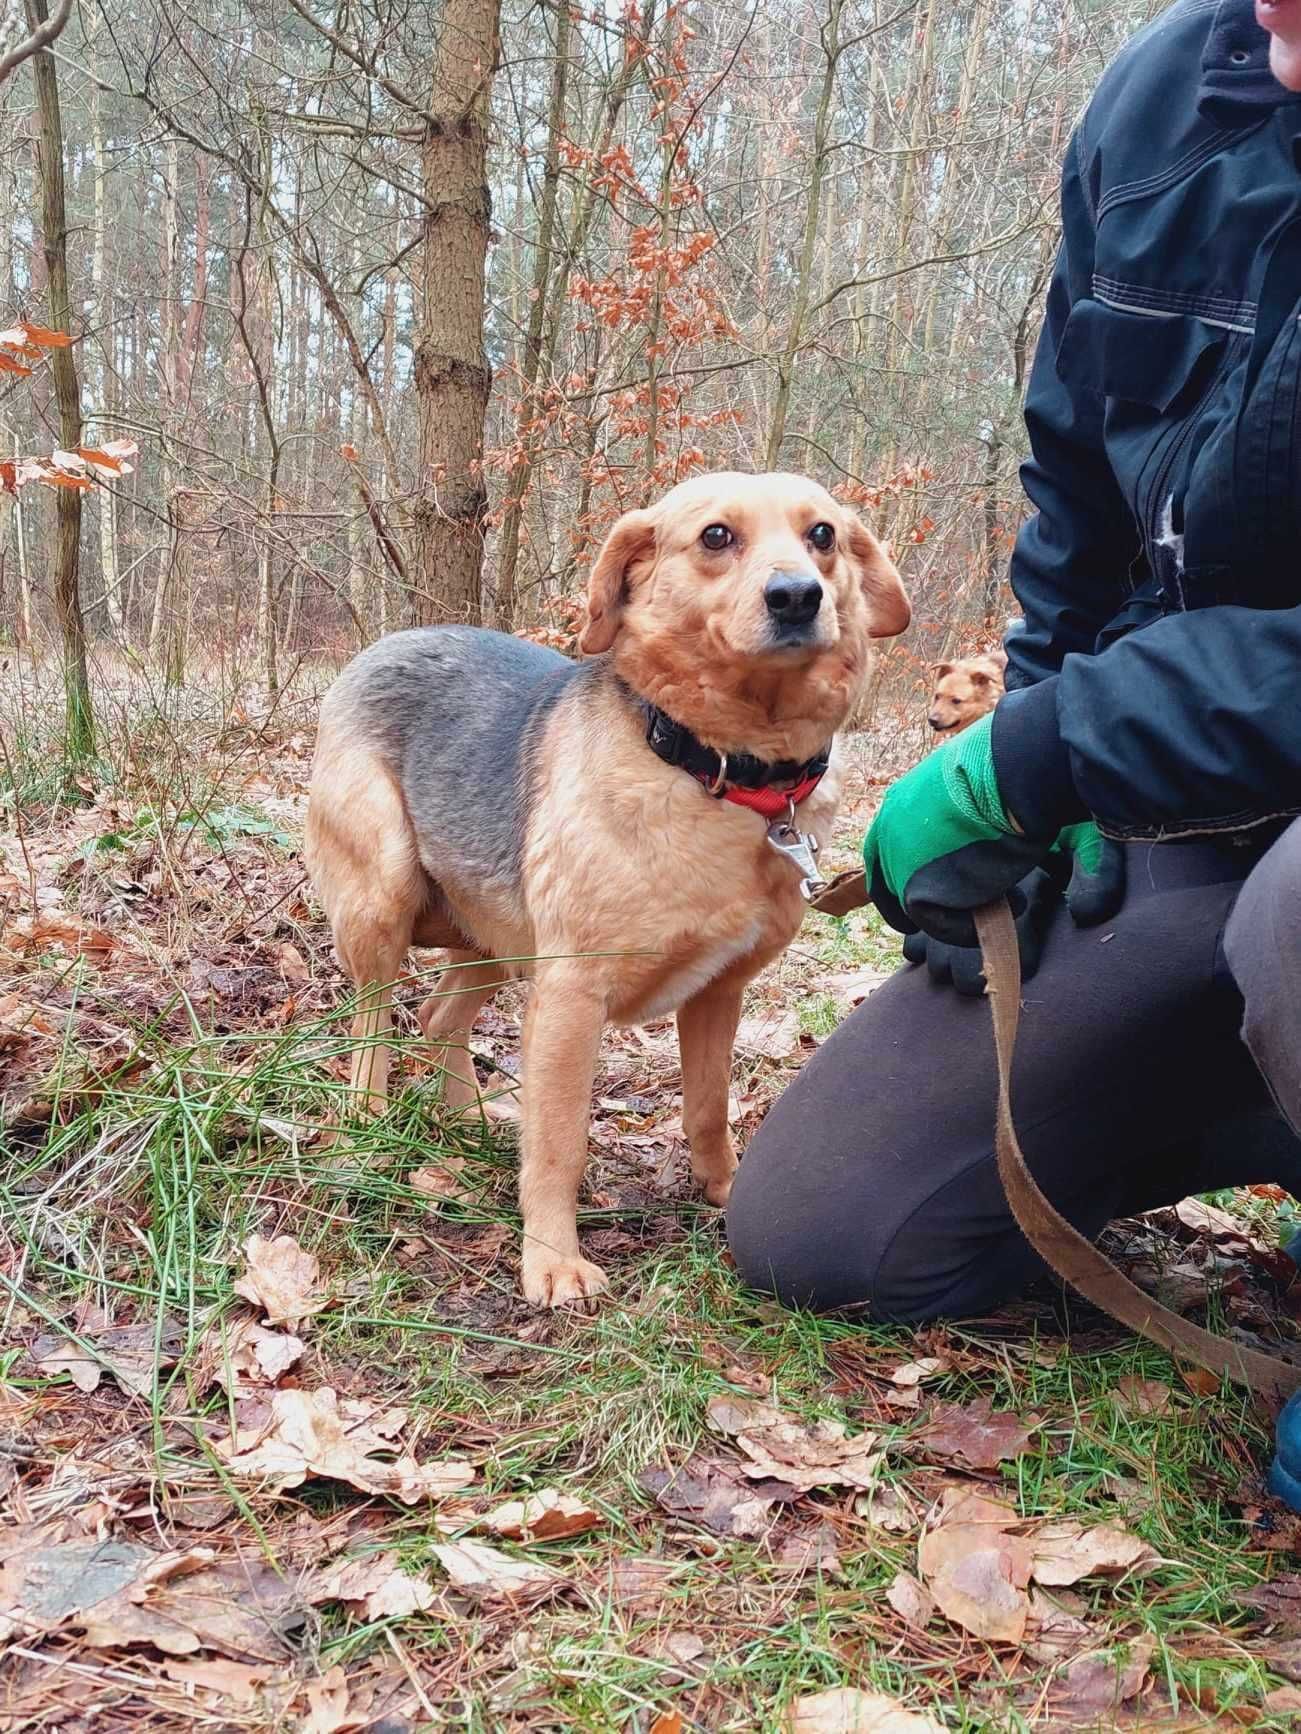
602	826
965	691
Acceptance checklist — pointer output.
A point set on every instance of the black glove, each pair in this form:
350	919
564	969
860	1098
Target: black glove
1094	890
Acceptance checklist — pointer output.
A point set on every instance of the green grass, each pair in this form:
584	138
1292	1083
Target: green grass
138	1189
143	1197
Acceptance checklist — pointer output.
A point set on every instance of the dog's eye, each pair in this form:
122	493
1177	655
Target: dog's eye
823	538
716	537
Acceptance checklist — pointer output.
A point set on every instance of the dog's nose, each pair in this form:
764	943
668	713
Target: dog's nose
793	598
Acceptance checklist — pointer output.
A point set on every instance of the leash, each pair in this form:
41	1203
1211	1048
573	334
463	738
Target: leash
1067	1252
1062	1247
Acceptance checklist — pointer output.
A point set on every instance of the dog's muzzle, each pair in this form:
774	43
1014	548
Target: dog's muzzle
792	600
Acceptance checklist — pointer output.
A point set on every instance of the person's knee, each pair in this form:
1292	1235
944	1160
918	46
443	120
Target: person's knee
812	1250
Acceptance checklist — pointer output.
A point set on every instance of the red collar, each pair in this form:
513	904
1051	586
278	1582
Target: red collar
772	803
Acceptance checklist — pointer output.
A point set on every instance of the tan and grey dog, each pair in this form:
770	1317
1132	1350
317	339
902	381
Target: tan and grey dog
622	822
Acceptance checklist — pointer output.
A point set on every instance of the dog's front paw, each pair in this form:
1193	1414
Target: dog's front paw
715	1181
552	1281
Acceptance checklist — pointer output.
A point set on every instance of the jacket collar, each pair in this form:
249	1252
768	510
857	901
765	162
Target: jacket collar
1237	87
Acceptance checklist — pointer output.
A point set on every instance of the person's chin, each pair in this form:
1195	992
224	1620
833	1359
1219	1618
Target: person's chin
1285	62
1282	18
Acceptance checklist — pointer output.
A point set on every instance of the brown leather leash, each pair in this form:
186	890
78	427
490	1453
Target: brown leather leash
1072	1255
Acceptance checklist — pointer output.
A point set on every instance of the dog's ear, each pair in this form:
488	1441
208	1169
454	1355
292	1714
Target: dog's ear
940	669
979	678
886	601
631	539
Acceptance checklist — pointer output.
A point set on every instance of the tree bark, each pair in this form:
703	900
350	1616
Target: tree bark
103	304
452	375
79	723
521	471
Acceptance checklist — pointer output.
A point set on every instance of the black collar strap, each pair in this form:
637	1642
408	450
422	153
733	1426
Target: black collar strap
676	745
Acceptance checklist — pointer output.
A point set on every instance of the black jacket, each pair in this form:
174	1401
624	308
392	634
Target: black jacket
1159	667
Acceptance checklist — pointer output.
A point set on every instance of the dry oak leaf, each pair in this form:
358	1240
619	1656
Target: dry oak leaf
1282	1701
316	1433
914	1372
327	1705
484	1572
135	1354
805	1456
717	1496
443	1182
248	1355
849	1711
912	1601
1091	1689
376	1586
234	1680
293	966
1066	1552
976	1432
770	1036
887	1508
1054	1631
282	1279
1143	1396
547	1515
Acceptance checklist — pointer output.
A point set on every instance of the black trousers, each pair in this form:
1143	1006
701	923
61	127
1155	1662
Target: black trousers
1159	1055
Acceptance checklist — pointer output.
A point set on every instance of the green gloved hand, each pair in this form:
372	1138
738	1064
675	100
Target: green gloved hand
1088	867
943	843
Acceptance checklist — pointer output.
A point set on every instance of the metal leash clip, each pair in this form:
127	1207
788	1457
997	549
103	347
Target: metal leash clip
800	849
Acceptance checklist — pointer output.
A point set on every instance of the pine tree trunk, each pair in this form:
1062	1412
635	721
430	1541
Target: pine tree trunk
79	723
452	375
521	473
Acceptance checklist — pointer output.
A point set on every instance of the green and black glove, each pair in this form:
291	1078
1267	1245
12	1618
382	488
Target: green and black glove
1083	868
943	844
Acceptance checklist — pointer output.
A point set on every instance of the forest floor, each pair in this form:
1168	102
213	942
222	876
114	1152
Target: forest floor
282	1447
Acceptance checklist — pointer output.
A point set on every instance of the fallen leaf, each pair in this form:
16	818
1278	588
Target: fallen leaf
1282	1701
376	1586
120	1593
977	1433
1279	1601
485	1572
682	1648
888	1508
978	1575
1284	1658
234	1680
850	1711
442	1181
327	1704
809	1550
1143	1396
292	964
850	988
912	1601
547	1515
282	1279
914	1372
805	1456
65	930
1201	1380
1210	1220
717	1496
317	1433
667	1722
769	1036
1095	1687
246	1355
1053	1630
1066	1552
641	1583
135	1354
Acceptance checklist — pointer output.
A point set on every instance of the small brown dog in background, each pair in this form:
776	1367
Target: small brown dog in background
965	690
